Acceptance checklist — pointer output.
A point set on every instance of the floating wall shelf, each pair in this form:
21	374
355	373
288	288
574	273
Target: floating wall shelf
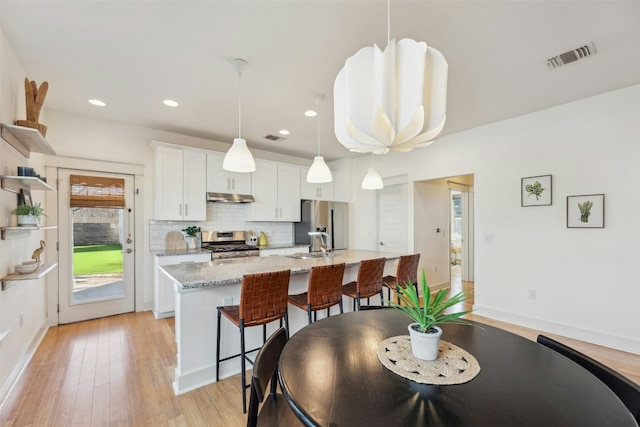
25	140
16	277
17	183
15	232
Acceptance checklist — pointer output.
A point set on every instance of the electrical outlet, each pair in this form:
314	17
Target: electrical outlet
21	319
532	294
227	301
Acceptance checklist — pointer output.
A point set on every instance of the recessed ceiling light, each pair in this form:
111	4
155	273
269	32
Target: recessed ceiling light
170	103
310	113
97	102
283	132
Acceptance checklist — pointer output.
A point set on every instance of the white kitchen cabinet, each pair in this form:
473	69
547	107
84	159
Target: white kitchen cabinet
276	189
312	191
164	304
181	184
223	181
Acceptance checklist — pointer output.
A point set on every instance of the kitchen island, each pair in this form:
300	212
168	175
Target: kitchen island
201	287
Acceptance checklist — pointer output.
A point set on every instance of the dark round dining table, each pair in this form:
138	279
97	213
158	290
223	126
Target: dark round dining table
331	376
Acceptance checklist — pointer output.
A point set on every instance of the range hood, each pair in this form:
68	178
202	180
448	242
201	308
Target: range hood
229	198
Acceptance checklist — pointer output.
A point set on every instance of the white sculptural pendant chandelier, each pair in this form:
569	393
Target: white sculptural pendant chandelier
394	99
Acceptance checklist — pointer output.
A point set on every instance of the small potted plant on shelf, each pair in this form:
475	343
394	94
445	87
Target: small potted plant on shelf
28	215
424	332
193	236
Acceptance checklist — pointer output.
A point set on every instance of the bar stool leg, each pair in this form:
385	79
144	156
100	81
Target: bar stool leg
242	368
340	303
309	313
286	322
218	348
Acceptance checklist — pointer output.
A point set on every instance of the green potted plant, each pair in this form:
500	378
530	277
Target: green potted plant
193	236
28	215
424	332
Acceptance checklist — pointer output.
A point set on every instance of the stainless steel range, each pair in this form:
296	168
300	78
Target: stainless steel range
228	244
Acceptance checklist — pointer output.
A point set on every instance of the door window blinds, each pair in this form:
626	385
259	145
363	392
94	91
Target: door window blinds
96	192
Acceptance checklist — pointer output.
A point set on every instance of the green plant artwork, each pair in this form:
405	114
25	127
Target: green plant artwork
534	189
585	210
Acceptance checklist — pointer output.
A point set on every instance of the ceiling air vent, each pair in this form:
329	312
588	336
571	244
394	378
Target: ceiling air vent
274	138
571	56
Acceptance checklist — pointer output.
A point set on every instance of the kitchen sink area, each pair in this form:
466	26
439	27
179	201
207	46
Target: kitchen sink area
312	255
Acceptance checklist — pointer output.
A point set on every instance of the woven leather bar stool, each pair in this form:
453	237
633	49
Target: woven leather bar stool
407	270
263	299
325	290
368	283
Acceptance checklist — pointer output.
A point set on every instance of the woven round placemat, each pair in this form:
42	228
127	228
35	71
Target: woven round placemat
453	365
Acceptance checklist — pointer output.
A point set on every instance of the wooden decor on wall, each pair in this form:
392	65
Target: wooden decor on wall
34	99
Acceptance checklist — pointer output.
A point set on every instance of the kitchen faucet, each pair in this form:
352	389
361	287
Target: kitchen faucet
326	244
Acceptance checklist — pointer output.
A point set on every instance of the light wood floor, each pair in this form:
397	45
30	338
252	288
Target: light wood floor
117	371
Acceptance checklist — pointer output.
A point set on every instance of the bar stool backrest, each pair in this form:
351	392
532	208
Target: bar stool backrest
407	269
370	273
263	297
325	285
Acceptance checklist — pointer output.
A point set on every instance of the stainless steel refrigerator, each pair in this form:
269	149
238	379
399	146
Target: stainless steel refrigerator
320	215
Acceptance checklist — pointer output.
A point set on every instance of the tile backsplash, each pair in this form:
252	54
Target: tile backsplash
222	217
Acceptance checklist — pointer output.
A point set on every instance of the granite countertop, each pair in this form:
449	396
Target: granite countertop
228	271
172	252
283	246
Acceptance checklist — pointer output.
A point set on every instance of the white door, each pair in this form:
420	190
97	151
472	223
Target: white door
392	219
96	248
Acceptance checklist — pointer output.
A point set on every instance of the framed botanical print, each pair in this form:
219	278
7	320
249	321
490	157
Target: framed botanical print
586	211
536	191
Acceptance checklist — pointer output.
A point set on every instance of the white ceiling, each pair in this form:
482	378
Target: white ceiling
134	54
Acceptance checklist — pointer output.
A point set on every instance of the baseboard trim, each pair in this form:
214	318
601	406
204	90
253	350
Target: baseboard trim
17	371
594	337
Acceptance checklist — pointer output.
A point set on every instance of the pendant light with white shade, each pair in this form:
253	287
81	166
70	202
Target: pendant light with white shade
372	180
239	158
394	99
319	171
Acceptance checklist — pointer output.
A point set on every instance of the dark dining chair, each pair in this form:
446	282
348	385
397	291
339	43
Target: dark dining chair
275	410
625	389
368	282
324	290
406	272
263	299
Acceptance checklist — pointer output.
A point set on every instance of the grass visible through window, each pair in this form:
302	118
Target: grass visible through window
97	259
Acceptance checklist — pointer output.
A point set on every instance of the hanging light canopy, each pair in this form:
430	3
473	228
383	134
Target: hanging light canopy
319	171
394	99
372	180
239	158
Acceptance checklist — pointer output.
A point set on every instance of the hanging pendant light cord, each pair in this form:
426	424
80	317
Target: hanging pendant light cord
239	105
318	121
388	21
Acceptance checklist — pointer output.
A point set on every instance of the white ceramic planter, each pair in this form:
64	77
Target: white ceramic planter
27	220
424	346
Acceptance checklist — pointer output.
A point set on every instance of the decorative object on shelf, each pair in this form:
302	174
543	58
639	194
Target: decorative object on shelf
193	238
239	158
38	252
394	99
372	180
28	215
26	268
536	191
424	332
319	171
34	97
262	240
585	211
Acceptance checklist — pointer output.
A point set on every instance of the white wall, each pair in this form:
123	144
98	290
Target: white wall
587	280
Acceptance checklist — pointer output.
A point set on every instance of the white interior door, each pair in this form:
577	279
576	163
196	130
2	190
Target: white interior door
392	219
100	282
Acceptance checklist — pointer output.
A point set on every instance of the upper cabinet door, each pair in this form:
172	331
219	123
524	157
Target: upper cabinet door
222	181
311	191
195	186
276	189
180	185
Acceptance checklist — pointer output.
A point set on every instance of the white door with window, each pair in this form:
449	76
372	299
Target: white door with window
392	219
96	244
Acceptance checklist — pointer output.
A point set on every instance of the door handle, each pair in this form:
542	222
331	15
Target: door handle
381	243
127	251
